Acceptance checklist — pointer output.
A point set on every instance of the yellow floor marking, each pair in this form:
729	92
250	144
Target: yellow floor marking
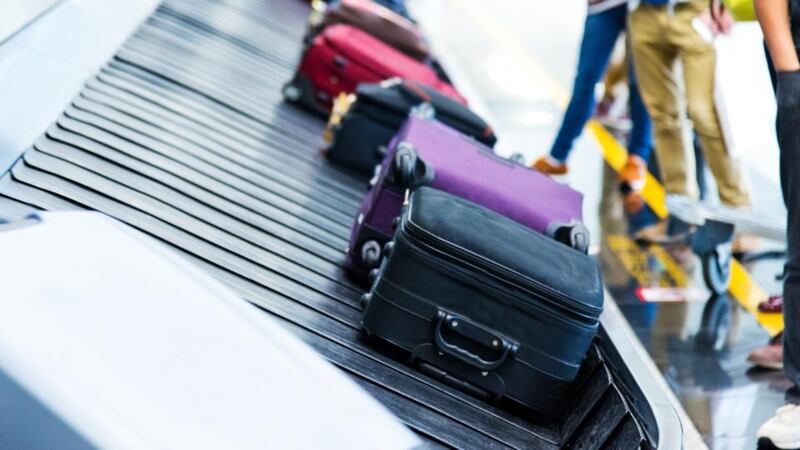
632	258
635	259
749	295
743	287
672	268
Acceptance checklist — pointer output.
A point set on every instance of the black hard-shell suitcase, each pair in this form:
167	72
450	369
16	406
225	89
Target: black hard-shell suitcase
381	109
485	304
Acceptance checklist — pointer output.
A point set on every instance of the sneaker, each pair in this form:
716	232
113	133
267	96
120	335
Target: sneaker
773	305
549	166
782	430
769	356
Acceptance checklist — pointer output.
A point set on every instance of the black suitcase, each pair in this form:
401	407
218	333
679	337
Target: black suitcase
484	303
380	109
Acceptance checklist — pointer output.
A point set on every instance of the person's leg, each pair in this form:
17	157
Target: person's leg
641	140
599	36
789	140
640	144
654	60
698	58
783	429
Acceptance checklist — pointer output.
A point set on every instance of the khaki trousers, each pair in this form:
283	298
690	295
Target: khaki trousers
660	39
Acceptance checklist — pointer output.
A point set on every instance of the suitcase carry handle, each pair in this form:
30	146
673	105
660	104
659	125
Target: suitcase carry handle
475	333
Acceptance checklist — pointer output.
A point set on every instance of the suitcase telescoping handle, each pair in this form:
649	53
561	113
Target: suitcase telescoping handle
487	339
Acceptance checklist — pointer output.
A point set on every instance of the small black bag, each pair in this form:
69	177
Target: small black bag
379	111
484	303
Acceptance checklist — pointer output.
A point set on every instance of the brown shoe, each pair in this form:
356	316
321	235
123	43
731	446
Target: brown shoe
772	305
546	166
634	173
632	202
769	356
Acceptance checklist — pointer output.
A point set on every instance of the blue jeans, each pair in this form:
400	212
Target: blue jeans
599	37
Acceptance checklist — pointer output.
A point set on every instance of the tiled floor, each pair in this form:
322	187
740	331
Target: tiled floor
518	57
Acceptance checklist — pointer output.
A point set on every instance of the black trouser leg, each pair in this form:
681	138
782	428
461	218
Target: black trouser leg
789	139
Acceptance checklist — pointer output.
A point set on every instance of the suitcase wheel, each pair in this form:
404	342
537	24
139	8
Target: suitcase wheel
373	275
370	254
291	92
388	249
364	300
405	164
573	234
717	271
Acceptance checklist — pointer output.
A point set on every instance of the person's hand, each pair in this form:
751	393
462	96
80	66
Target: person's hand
718	19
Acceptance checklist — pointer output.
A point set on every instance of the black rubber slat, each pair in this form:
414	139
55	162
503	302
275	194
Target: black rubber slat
259	128
239	204
320	227
273	144
294	186
268	160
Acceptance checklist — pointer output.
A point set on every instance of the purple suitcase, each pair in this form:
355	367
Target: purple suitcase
429	153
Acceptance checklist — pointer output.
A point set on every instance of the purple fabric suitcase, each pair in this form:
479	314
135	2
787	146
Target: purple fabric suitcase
429	153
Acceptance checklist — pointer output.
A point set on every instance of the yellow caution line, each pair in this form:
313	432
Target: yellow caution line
745	290
743	287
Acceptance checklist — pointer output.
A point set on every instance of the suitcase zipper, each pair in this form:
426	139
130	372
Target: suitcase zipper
548	294
416	236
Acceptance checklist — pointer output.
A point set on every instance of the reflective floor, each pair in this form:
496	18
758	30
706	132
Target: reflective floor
517	59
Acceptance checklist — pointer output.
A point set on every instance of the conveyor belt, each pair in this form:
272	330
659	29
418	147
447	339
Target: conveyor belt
184	136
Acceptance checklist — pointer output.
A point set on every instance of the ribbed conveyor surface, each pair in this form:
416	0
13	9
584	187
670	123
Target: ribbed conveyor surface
184	135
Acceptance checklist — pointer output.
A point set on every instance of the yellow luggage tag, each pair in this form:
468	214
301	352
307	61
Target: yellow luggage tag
341	105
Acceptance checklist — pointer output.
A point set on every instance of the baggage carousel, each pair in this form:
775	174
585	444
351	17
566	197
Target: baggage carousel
184	136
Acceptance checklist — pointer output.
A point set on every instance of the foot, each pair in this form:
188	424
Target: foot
549	166
632	202
634	172
770	356
604	106
773	305
632	176
782	430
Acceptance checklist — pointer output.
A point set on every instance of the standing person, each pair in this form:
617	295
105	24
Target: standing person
780	20
663	32
605	21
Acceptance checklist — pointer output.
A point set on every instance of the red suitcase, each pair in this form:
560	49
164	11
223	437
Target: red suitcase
342	56
379	21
